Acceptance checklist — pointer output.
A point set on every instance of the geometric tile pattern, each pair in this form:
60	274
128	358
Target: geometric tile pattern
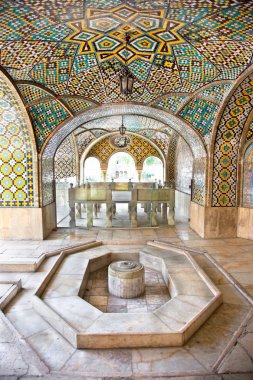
32	93
46	116
200	114
171	159
138	148
217	52
236	112
171	103
248	177
77	105
250	132
161	140
231	22
65	159
216	92
83	140
194	68
77	48
16	157
141	149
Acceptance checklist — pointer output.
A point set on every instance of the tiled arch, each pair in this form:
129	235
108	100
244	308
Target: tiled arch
226	144
18	156
138	148
191	137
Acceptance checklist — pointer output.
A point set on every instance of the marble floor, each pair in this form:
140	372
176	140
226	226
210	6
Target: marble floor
222	349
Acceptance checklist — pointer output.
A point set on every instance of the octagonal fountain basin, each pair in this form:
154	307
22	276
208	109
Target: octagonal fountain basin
59	300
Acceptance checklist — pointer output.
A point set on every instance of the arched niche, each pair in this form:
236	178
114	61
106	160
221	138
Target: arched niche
193	139
121	168
20	214
153	170
92	170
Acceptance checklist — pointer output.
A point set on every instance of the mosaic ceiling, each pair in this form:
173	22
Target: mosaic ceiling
68	57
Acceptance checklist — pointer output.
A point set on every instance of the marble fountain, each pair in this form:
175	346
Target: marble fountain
60	299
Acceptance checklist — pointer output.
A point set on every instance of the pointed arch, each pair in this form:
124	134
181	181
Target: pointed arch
18	153
226	143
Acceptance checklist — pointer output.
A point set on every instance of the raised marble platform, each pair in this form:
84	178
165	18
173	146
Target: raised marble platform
58	300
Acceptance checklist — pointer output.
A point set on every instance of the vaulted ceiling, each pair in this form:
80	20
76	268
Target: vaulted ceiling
66	56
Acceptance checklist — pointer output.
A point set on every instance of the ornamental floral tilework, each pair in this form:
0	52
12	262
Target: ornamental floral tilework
248	177
198	189
140	149
200	114
16	153
65	159
171	159
83	140
77	105
46	116
250	132
227	144
76	49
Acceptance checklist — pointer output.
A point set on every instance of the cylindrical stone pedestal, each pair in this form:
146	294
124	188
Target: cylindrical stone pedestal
126	279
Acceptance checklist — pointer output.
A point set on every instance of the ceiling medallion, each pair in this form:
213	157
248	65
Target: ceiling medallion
120	141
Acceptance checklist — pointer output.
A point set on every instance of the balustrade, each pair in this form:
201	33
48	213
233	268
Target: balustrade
90	197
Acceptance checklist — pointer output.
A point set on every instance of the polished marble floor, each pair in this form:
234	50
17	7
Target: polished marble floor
221	349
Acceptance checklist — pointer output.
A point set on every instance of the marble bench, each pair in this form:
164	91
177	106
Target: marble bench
58	300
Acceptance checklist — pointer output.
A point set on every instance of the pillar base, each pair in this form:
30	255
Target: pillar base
27	223
245	223
214	222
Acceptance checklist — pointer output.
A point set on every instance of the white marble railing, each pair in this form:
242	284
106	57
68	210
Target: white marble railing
91	195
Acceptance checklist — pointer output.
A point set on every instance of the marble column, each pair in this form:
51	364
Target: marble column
89	215
109	213
164	213
154	220
78	210
72	215
133	214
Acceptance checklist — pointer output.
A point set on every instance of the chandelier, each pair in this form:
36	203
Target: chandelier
126	78
123	140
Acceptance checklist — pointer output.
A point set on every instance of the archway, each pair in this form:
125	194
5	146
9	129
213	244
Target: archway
87	119
193	139
121	168
153	170
92	170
